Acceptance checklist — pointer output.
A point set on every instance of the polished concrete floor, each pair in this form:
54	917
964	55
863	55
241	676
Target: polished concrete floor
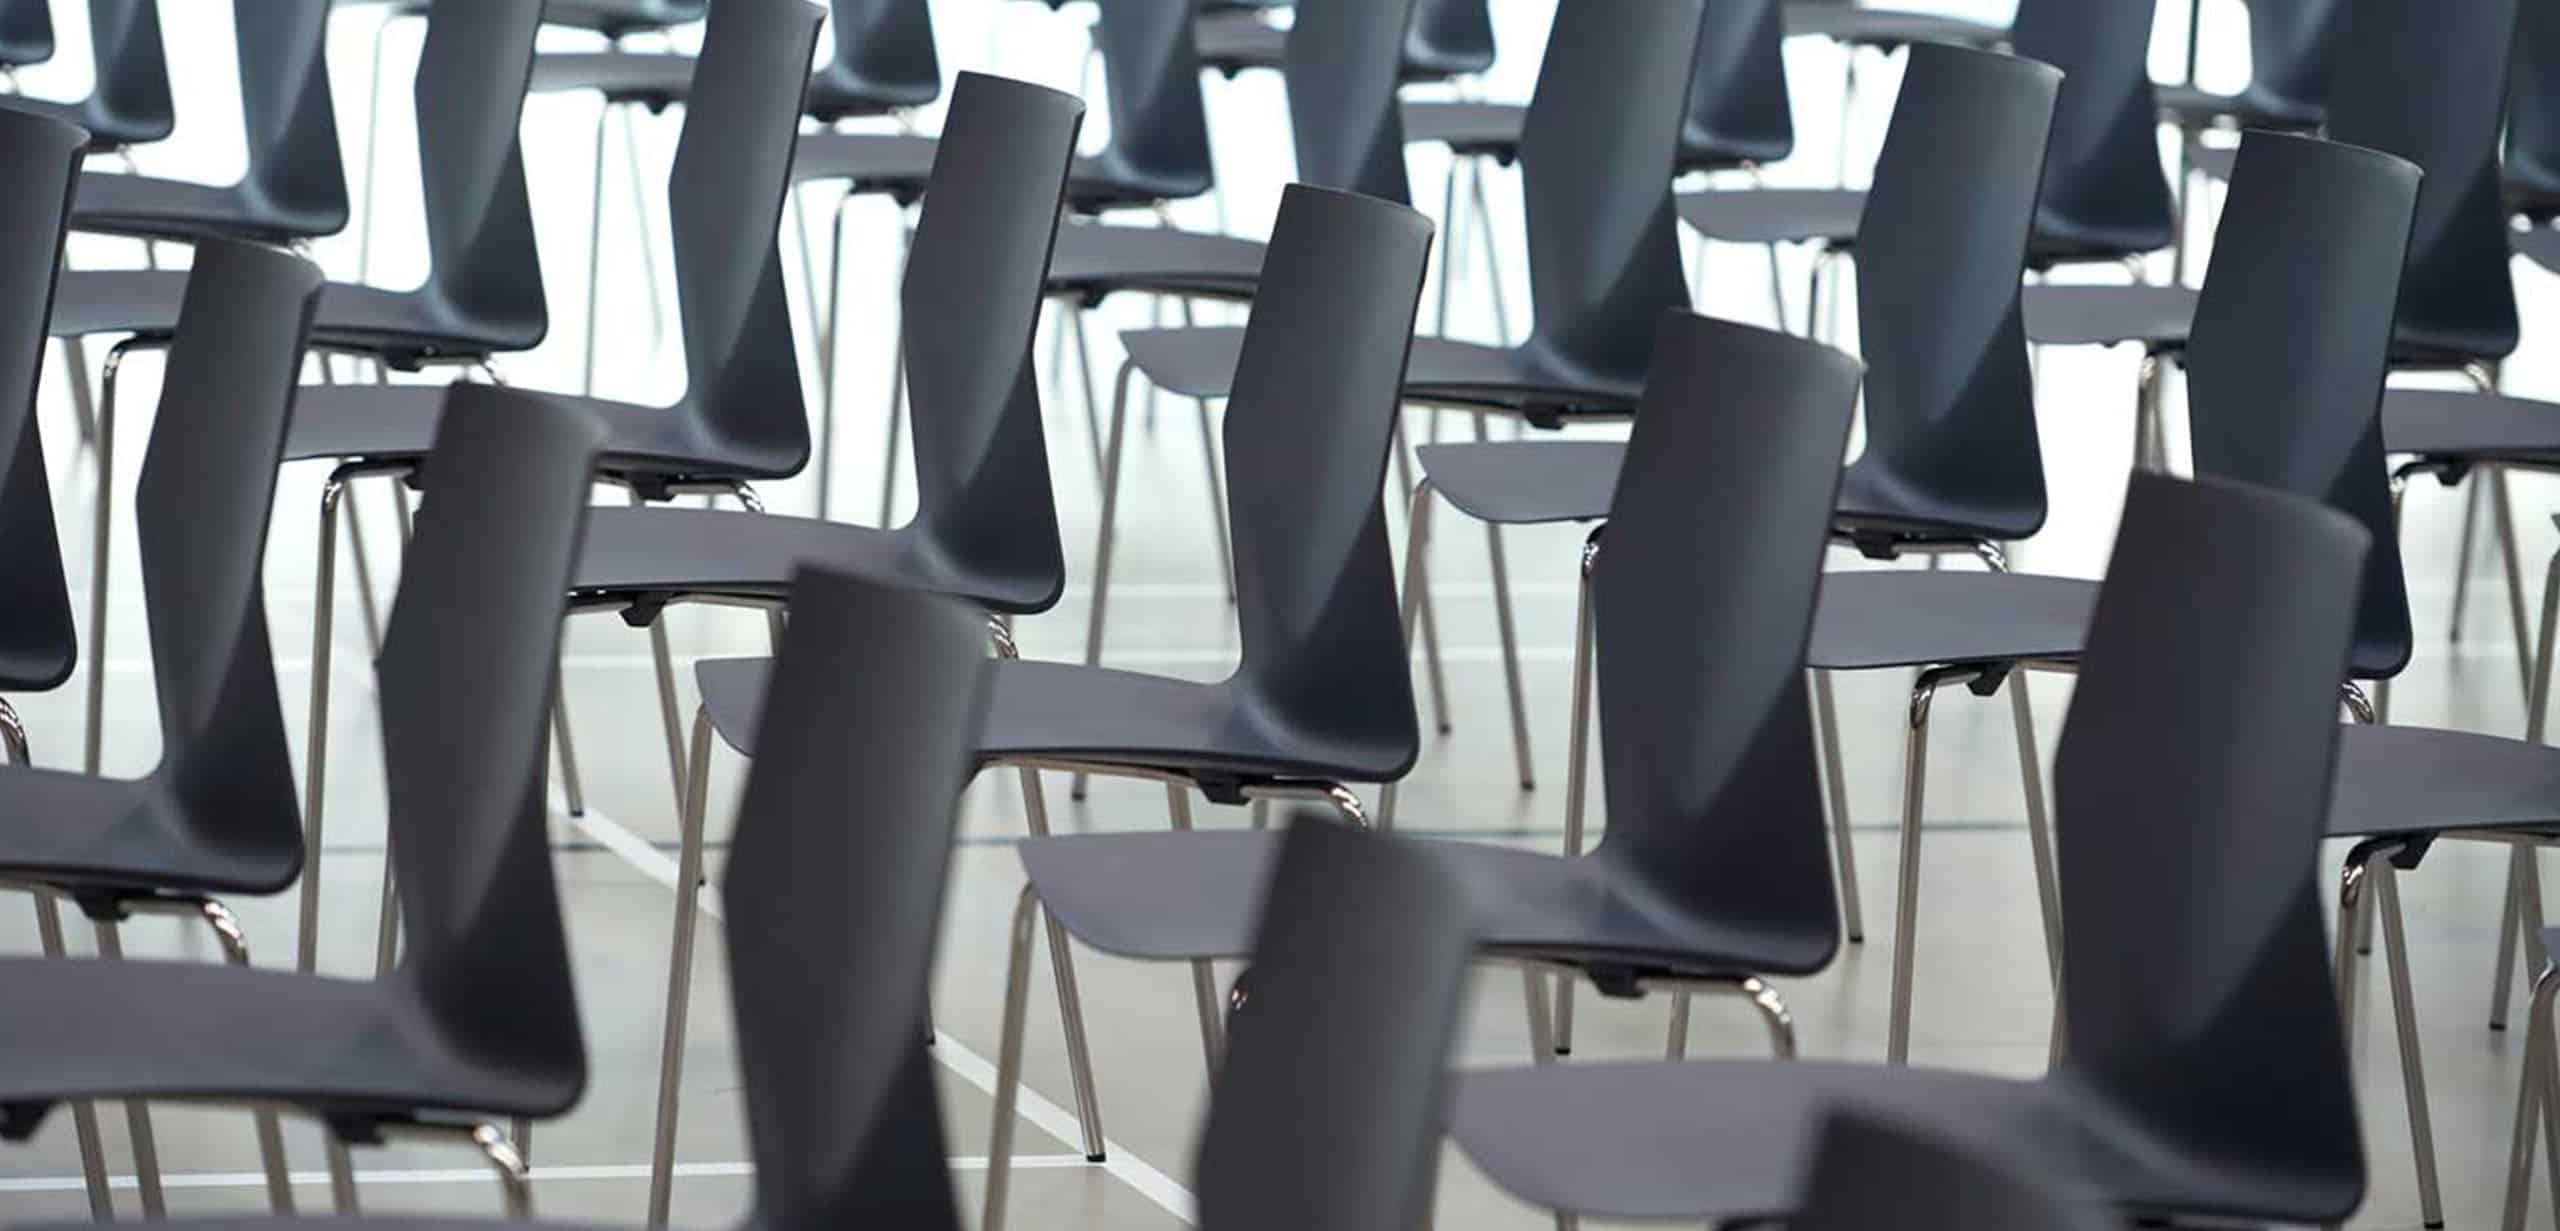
1983	998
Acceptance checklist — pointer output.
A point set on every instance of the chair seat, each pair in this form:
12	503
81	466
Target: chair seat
106	132
2158	317
2072	241
1467	128
2250	108
1094	260
2455	425
350	316
2541	246
1107	181
151	208
1906	618
1172	896
652	79
77	830
1731	1141
73	1029
1522	483
1873	503
1860	26
2213	161
724	553
1233	41
2426	780
1201	363
895	163
1775	215
398	423
1096	715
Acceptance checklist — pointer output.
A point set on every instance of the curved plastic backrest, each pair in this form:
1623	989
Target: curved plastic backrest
1703	598
886	48
1869	1173
2427	81
2533	102
1597	153
2191	792
1151	70
129	104
2291	46
1327	1111
201	510
285	106
834	889
725	190
472	71
1950	400
1343	61
2292	341
973	285
2102	166
1451	33
1738	88
26	31
466	672
1315	401
37	643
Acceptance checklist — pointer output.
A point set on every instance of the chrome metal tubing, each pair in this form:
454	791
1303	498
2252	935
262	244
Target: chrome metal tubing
1578	758
679	972
1062	971
2412	1067
1826	717
1017	987
101	527
137	1113
1505	623
1907	889
1204	973
1103	534
84	1114
1084	374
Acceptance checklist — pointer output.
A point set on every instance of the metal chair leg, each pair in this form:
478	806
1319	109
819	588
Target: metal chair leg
1413	610
315	762
271	1156
1577	769
1907	891
75	365
84	1115
1017	988
565	745
137	1113
1084	370
2472	495
342	1176
1505	623
890	451
2039	829
830	338
595	255
2503	516
2529	1088
1062	971
1492	254
648	250
1204	974
2519	862
366	604
1449	246
92	746
515	1179
1835	782
679	972
2413	1075
1103	534
1217	483
1542	1046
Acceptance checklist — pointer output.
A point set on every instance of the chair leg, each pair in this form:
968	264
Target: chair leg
679	972
1413	610
2413	1075
1402	451
515	1179
2529	1098
235	952
595	255
372	127
829	339
1204	974
366	604
889	453
342	1176
2462	557
315	762
84	1115
1542	1046
1906	908
75	365
386	924
1504	621
640	224
1084	372
1492	254
2549	1100
1103	534
2502	512
1017	988
2510	923
1848	97
1449	246
1577	768
1826	716
1778	293
565	744
101	537
137	1114
1217	483
2039	829
1062	971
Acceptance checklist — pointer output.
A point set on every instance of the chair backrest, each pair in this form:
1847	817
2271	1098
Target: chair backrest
465	751
1451	36
1706	738
26	31
1597	152
2191	793
1315	401
1342	63
38	645
2291	46
2428	82
834	888
1738	110
1326	1112
725	191
128	101
2292	341
884	55
482	265
2533	108
2105	193
984	509
292	125
201	510
1870	1172
1151	72
1950	399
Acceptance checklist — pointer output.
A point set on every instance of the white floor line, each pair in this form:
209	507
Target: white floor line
474	1175
1119	1161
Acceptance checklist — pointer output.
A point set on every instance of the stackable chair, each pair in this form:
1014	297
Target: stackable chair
2105	198
1614	66
478	1023
2291	44
2206	1075
2533	136
217	816
1856	27
482	295
1947	467
128	102
985	531
1871	1171
1719	834
741	418
2537	1090
883	65
1448	40
26	34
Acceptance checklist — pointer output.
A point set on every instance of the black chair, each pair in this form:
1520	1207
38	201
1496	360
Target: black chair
217	815
1857	27
2533	134
1948	467
1605	66
2537	1090
1871	1171
26	33
2291	45
482	295
2206	1075
985	531
741	418
1448	39
479	1020
128	104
